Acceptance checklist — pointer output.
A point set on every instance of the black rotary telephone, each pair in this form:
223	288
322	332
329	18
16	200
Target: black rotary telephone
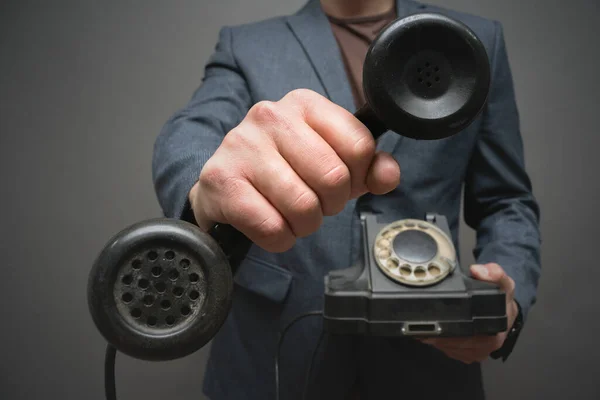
162	288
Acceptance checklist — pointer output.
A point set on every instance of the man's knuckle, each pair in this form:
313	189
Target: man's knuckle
271	229
215	178
301	95
239	139
336	178
364	148
306	204
265	112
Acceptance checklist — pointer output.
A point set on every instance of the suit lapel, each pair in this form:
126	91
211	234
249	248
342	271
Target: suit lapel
311	28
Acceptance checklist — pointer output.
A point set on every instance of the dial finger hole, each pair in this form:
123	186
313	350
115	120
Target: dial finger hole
383	243
389	234
384	254
434	270
392	263
405	270
420	273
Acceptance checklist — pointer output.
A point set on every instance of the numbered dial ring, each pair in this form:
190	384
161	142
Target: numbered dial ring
414	252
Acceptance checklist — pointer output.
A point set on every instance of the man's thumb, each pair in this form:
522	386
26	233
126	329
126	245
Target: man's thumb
492	273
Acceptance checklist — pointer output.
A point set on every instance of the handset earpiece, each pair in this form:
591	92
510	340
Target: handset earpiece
426	77
161	289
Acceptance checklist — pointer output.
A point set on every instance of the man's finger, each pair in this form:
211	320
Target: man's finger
483	343
384	174
347	136
451	343
466	357
493	273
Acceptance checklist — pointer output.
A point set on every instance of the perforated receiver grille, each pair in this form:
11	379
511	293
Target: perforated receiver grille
160	289
429	74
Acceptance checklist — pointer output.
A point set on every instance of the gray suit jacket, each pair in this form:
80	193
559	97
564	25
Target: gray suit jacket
264	61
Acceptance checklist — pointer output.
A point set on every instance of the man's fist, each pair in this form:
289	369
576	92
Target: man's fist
285	166
478	348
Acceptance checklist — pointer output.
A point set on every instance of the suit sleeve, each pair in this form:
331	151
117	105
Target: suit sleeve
191	136
499	203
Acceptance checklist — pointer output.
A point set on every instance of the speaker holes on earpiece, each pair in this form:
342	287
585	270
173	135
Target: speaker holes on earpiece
428	75
148	300
173	274
165	304
161	287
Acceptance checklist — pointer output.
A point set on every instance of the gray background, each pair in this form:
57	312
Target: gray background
84	89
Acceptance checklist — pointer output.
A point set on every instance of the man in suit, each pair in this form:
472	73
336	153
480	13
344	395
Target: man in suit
268	144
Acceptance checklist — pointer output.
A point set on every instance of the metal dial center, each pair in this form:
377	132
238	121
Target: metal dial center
415	246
